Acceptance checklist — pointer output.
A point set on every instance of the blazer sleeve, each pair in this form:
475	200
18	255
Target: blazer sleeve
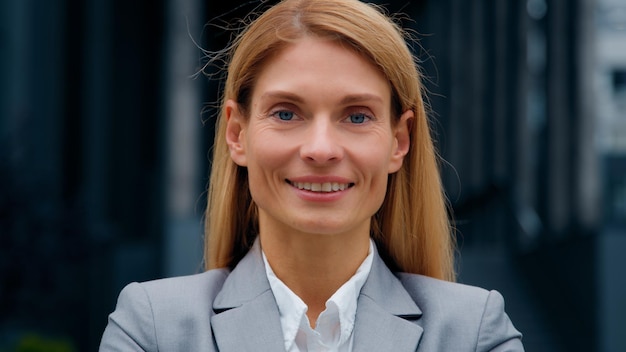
496	332
131	325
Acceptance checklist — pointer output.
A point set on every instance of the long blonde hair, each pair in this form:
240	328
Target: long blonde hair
411	229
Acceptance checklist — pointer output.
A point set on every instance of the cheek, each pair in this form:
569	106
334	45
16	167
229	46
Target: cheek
375	154
376	159
267	155
266	159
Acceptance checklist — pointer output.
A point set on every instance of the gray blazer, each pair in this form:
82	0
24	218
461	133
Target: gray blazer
220	310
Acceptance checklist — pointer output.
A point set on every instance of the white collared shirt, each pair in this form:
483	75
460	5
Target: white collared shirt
333	331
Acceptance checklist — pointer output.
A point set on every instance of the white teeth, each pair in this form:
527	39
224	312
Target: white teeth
321	187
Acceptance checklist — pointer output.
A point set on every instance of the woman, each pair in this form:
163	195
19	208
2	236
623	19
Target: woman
326	224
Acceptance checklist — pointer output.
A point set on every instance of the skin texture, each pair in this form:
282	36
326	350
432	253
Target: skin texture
319	114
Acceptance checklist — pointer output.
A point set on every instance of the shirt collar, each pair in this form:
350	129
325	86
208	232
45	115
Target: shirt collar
340	306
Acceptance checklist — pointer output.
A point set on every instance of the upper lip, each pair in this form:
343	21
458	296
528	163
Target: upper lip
320	179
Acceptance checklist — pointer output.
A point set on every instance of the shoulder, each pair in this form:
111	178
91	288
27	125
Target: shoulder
475	314
155	314
177	294
427	289
443	300
171	298
206	284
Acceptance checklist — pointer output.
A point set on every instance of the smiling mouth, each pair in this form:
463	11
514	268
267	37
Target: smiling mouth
325	187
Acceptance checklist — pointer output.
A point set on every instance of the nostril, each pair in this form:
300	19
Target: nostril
321	153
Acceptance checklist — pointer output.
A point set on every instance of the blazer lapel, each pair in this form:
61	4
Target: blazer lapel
386	314
247	317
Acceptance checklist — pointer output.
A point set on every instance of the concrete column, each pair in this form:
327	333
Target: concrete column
183	125
561	119
611	290
96	113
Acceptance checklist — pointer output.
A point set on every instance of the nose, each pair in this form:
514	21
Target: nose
322	143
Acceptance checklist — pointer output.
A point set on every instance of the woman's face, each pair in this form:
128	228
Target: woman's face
318	141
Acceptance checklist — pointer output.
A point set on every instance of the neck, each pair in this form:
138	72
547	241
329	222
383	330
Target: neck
314	266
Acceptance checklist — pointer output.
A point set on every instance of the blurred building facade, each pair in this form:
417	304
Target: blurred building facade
105	135
609	88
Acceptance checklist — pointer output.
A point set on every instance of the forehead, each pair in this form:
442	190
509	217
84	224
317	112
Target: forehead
328	65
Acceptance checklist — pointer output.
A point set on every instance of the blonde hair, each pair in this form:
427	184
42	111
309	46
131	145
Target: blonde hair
411	229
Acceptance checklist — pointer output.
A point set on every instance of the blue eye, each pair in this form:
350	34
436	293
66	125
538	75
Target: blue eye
284	115
358	118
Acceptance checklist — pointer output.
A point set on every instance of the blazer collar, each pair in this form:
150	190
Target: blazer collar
246	306
247	317
386	315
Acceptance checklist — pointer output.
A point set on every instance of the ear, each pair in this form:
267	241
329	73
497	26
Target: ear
235	132
402	141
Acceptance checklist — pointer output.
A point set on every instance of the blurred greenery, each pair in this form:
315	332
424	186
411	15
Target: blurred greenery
36	343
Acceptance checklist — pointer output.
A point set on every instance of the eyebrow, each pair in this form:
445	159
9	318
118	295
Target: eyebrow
279	94
348	99
359	98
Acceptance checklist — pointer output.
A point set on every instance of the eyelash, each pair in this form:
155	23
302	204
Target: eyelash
366	117
276	114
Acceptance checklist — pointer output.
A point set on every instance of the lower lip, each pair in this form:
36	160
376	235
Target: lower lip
321	197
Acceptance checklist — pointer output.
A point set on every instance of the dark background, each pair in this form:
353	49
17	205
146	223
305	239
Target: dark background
105	135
